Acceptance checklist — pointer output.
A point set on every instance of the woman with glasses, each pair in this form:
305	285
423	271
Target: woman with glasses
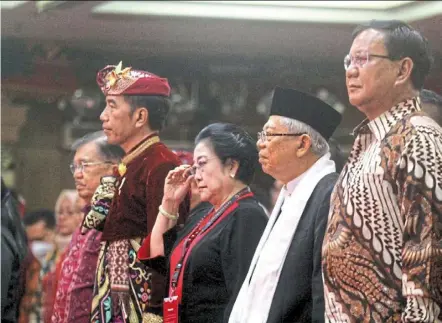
208	259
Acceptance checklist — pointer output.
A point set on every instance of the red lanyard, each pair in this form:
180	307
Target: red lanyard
203	225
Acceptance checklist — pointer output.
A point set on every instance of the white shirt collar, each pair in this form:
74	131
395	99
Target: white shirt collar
290	186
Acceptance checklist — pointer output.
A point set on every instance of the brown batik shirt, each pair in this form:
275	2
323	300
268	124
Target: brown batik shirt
382	252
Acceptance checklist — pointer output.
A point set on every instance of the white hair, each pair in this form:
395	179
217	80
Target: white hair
71	195
319	145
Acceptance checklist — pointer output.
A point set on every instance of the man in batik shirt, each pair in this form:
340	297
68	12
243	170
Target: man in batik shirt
382	253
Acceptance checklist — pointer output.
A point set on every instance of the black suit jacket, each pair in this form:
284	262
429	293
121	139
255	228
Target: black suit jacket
299	295
13	251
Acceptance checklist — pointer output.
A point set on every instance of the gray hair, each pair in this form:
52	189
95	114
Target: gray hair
108	151
319	145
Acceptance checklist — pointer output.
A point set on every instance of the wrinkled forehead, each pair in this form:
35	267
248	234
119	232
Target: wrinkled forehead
202	150
367	41
115	99
274	122
87	152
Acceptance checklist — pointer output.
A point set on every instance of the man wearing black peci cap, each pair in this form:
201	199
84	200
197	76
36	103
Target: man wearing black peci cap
284	282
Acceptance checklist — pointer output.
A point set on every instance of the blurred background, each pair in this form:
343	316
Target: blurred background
222	58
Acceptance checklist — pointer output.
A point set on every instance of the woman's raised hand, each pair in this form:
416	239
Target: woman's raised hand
177	184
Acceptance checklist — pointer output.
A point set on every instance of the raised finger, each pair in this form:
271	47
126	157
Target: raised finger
187	172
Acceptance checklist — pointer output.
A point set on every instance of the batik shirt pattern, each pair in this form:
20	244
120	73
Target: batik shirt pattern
382	252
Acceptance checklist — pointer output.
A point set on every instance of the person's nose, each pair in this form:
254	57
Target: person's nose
260	144
352	71
198	177
103	115
78	173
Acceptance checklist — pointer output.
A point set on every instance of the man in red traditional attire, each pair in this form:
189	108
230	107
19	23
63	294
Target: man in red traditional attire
136	107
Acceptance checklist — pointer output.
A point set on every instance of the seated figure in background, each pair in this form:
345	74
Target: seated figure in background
40	230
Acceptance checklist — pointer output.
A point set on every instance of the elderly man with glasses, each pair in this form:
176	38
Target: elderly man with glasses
284	281
94	158
382	253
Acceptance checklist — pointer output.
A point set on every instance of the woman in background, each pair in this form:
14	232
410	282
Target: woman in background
67	221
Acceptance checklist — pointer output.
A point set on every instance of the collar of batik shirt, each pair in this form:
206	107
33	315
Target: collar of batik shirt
383	124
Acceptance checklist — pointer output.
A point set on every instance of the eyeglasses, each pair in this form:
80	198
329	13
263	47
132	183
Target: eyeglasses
199	166
84	165
360	59
263	136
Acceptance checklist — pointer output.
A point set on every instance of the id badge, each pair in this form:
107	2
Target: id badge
170	310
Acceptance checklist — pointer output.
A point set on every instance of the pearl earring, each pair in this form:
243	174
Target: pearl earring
232	175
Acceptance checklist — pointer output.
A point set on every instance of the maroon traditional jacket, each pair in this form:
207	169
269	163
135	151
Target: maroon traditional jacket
135	205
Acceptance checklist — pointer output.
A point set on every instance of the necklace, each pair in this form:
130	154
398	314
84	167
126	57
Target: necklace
122	166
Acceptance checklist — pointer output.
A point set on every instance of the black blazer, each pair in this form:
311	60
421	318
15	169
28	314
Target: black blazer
13	252
299	295
218	264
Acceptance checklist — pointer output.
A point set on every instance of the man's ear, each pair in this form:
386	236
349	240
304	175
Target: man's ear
405	70
304	146
141	117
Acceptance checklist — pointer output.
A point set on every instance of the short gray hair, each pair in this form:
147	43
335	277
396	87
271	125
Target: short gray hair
319	145
108	151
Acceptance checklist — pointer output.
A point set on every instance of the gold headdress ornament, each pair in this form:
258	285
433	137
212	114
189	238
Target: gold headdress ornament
115	75
114	80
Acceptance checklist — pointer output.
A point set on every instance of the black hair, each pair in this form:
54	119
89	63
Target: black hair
431	97
108	151
47	216
231	141
401	40
158	107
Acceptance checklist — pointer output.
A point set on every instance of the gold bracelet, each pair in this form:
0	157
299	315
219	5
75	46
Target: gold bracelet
167	214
